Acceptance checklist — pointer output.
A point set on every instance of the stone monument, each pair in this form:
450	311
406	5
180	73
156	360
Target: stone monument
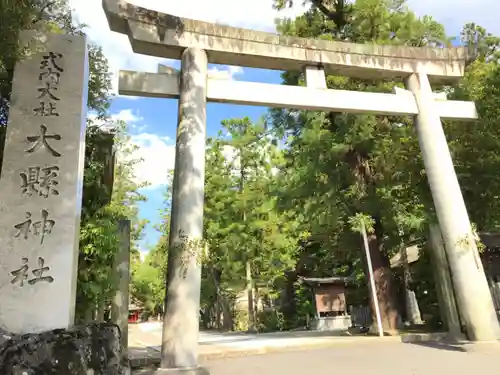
41	189
41	185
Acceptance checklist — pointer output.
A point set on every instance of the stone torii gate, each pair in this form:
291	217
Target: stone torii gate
197	43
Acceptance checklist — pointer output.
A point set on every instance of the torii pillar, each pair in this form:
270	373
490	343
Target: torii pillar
179	350
471	287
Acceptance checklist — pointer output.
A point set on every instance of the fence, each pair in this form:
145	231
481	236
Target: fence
360	315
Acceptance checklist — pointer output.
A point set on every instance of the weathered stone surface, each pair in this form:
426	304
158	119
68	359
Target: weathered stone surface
93	349
41	185
332	323
471	288
166	35
182	305
444	284
167	85
120	303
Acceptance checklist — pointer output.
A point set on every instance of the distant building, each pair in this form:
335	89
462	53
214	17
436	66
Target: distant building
134	312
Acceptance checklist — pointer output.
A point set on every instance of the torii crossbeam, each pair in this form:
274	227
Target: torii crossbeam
198	43
402	102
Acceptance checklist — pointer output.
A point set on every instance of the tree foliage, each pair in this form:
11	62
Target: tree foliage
249	238
99	242
149	275
342	165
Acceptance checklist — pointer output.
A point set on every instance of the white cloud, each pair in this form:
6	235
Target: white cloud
133	120
117	49
116	46
128	97
127	116
231	155
228	74
158	158
158	154
257	14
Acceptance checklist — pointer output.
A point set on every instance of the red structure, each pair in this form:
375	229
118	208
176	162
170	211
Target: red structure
134	313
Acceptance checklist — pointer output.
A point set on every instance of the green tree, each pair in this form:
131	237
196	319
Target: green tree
148	286
475	144
248	237
342	165
149	275
98	239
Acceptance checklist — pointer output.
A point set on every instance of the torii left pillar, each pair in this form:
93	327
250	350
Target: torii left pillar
179	351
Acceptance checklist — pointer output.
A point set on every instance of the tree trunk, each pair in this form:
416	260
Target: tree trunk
218	299
411	304
88	315
251	313
227	316
100	312
384	281
288	300
444	284
256	299
217	312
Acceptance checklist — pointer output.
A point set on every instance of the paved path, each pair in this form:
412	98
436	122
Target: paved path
145	342
302	353
356	352
149	335
382	358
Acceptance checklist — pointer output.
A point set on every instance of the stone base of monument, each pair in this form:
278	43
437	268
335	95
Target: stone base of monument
332	323
82	350
178	371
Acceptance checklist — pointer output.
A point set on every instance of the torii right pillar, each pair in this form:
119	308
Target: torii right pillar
471	287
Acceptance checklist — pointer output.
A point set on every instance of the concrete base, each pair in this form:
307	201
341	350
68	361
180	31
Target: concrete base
436	337
178	371
332	323
486	347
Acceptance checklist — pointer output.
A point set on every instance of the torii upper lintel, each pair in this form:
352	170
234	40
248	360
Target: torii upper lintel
164	35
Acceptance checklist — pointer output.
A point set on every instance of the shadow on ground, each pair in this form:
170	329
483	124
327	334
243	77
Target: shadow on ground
439	346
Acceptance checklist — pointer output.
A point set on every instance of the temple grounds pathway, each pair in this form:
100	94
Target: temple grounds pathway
145	343
386	357
293	353
375	358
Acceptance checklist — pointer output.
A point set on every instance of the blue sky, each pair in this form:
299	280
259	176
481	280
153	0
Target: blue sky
153	121
158	117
